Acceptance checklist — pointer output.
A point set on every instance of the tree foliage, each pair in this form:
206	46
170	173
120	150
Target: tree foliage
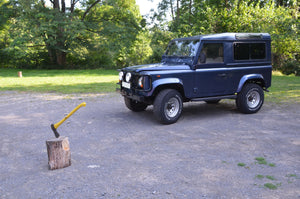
113	34
279	18
65	34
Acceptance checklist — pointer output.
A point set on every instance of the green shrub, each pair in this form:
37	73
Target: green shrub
291	67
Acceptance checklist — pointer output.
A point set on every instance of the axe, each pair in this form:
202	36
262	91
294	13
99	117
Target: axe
55	126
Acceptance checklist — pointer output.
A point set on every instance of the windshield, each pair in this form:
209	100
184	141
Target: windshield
183	48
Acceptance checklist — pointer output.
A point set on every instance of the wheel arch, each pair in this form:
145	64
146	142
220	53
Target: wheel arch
178	87
168	83
252	78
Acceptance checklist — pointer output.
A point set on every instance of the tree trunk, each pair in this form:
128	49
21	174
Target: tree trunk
178	11
172	10
61	58
59	155
63	6
56	4
190	11
89	8
51	54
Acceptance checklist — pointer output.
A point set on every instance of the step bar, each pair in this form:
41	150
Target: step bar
214	98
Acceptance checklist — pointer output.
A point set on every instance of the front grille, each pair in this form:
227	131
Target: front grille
134	81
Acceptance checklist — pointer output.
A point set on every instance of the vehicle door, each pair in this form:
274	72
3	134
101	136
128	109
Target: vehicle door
211	74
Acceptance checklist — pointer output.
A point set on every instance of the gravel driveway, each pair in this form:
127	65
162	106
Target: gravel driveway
210	152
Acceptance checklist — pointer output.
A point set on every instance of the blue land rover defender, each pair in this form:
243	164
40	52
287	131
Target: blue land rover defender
202	68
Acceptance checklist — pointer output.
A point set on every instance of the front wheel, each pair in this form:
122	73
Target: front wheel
135	105
250	99
168	106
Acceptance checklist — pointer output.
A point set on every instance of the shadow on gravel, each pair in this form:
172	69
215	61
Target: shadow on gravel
193	110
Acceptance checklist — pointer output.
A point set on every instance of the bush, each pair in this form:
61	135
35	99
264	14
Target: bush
291	67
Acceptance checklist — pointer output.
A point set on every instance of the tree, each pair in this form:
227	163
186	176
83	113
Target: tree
279	18
117	26
159	42
61	30
5	14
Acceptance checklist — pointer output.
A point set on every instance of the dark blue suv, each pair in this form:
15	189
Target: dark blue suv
201	68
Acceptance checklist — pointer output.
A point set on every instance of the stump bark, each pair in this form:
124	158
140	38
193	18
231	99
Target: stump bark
59	155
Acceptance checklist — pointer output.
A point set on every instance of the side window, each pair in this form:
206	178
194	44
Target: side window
247	51
241	51
211	53
258	51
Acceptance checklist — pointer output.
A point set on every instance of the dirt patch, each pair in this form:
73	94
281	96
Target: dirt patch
211	152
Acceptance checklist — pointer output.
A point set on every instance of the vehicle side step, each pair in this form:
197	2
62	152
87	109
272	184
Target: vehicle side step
214	98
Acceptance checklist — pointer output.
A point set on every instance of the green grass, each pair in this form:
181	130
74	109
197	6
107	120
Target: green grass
270	177
265	180
260	176
283	89
271	186
272	165
261	160
241	164
291	175
59	81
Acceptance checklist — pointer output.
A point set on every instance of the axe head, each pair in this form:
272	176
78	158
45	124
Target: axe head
54	131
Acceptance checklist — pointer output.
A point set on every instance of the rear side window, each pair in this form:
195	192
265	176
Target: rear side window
247	51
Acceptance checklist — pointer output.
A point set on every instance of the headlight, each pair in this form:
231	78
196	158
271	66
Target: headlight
141	82
121	76
128	77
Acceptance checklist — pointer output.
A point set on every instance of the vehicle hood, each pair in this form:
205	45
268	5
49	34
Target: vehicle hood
157	67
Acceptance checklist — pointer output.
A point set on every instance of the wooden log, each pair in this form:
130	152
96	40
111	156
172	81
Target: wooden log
59	155
20	74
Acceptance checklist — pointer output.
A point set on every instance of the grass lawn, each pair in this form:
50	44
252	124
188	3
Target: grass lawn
60	81
283	89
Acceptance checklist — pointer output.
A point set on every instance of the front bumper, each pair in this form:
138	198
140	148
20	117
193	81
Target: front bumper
129	94
134	94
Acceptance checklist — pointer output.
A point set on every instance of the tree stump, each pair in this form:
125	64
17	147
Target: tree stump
20	74
59	155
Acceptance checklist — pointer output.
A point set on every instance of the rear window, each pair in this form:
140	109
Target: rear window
247	51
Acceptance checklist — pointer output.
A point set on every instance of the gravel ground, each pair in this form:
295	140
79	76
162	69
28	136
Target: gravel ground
117	153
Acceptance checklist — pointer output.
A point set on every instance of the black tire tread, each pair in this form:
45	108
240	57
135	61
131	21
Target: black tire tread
158	106
134	105
241	98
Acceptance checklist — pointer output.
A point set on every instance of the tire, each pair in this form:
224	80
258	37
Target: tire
212	101
168	106
135	105
250	99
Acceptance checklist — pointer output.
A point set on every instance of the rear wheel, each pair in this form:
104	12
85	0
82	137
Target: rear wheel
168	106
250	99
134	105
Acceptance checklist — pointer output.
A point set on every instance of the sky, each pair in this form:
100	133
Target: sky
147	5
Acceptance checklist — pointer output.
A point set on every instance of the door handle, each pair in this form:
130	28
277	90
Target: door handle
222	75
